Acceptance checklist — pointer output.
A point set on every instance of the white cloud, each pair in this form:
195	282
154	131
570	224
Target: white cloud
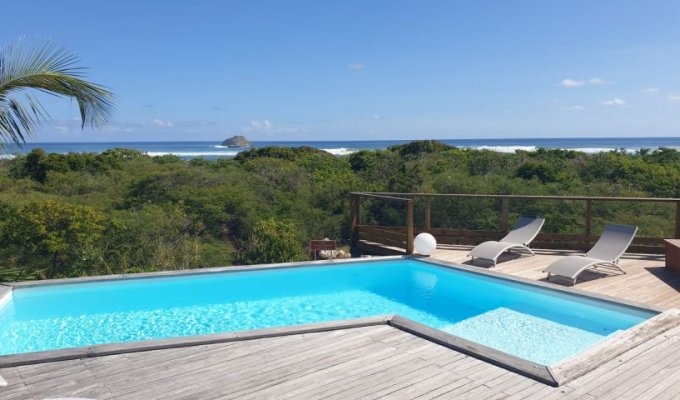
376	117
259	126
356	66
652	90
161	123
112	128
61	128
574	108
266	127
614	102
674	98
291	130
571	83
598	81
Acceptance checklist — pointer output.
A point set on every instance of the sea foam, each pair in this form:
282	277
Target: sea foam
340	151
504	149
192	153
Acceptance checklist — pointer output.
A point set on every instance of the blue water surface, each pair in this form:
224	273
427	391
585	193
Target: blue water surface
527	321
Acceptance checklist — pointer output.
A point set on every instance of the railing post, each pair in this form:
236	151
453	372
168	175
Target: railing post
428	215
677	219
589	219
505	211
589	224
409	226
358	210
355	216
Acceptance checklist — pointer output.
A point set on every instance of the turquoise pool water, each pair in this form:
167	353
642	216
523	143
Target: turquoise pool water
527	321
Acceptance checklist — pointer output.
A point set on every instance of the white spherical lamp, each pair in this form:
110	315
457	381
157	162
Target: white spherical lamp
425	244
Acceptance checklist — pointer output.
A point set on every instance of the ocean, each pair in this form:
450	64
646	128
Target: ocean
213	150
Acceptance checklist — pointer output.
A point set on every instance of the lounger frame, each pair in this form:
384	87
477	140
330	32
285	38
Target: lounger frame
520	249
599	264
594	266
506	246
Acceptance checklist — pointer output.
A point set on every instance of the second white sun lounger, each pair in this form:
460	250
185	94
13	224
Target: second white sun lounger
517	241
604	255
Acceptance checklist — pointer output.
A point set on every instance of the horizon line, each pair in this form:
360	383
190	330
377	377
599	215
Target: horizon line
367	141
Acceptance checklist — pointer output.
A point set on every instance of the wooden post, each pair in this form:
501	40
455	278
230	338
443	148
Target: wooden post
428	215
355	216
677	220
409	226
505	211
358	210
589	219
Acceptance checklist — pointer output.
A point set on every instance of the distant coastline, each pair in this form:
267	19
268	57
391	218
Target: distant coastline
214	149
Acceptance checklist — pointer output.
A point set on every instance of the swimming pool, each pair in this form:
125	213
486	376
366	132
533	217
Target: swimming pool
527	321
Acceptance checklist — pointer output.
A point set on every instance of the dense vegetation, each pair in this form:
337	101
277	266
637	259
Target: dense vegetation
122	211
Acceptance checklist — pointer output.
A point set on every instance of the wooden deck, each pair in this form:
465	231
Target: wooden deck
646	281
368	363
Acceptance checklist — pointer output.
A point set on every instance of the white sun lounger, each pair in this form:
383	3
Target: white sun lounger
522	233
604	256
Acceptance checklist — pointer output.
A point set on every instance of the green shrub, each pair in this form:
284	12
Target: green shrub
57	239
419	147
273	241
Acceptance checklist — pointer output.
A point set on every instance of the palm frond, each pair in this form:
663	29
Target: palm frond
50	69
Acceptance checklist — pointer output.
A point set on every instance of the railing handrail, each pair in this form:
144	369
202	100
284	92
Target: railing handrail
355	199
381	196
409	199
518	196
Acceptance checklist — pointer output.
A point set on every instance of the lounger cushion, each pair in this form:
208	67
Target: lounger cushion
524	230
490	250
613	242
571	266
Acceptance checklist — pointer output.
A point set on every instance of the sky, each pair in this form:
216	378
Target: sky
364	70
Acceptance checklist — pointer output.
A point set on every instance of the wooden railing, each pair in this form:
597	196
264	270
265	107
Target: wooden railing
389	237
395	239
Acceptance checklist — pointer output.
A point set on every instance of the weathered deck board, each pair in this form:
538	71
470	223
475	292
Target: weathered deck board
377	362
646	281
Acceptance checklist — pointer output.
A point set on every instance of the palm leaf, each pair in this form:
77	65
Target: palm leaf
48	69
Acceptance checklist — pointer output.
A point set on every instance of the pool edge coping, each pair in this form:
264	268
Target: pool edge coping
594	356
264	267
555	375
195	271
501	359
487	354
38	357
5	293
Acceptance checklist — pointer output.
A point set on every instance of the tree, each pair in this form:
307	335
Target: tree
50	69
273	241
65	237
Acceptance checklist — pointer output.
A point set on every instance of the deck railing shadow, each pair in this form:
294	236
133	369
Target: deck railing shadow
387	223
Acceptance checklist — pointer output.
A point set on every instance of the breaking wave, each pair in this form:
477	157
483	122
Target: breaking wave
192	153
512	149
340	151
505	149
